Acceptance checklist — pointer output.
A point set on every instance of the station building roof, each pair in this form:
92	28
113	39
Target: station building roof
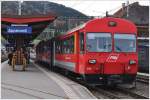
38	23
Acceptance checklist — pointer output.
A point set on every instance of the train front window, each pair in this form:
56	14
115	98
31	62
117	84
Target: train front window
125	42
99	42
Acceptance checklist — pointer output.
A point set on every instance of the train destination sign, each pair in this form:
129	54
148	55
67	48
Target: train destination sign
19	30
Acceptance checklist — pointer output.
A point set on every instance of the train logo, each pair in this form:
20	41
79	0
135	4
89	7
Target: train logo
112	58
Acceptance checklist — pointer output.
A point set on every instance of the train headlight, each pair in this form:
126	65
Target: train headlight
112	23
131	62
92	61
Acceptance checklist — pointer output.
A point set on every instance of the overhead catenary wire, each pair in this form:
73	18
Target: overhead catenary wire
101	13
77	3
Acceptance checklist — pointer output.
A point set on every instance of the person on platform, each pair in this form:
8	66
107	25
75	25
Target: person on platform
10	56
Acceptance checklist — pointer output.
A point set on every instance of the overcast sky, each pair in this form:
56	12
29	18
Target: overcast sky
97	7
94	7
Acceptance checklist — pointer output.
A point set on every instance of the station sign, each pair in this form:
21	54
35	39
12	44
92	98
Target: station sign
19	30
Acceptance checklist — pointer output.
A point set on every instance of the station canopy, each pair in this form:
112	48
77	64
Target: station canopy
24	27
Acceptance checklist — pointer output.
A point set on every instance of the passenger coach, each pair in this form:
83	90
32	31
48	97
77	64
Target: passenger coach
101	51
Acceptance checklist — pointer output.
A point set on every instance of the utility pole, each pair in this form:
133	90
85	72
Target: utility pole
19	10
127	8
68	23
53	33
107	14
44	8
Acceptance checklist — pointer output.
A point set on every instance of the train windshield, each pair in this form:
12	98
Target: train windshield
99	42
125	42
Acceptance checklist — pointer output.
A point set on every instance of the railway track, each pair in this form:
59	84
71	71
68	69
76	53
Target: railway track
111	93
131	93
107	92
104	92
143	79
116	93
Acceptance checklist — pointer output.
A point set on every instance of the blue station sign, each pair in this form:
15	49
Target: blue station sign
19	30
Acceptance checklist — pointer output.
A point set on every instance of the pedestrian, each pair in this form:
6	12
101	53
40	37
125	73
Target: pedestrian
10	55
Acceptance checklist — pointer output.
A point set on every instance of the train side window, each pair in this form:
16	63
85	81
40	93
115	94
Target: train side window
64	47
81	36
58	47
68	45
72	44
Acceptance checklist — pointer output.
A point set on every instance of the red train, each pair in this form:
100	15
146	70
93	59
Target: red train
101	51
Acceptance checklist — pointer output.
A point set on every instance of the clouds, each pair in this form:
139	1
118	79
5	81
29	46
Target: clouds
97	7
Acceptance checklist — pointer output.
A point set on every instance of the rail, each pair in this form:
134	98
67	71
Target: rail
142	77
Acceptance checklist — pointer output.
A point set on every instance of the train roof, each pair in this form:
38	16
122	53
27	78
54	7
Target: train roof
100	19
129	26
77	28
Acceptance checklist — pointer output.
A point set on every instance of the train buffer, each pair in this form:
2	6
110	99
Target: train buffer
39	83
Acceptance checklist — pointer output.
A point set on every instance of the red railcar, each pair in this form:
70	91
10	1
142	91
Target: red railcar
44	52
101	51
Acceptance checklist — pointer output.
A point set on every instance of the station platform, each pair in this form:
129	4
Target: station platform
39	83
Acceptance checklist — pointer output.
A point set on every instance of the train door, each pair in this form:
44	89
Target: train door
52	52
69	51
81	53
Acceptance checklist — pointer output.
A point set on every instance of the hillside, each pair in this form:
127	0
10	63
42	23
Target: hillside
39	7
63	13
